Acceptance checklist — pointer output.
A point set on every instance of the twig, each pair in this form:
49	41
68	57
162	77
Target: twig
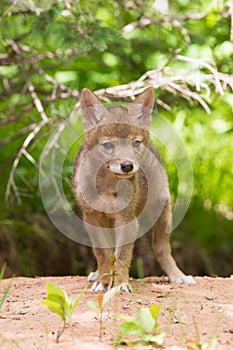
145	21
30	106
56	84
37	102
54	139
14	3
29	157
8	59
187	94
22	151
215	73
22	132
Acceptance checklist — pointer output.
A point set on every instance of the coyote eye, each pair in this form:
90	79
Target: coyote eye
136	143
107	144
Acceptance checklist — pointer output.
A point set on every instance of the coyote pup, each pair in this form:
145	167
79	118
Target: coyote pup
122	188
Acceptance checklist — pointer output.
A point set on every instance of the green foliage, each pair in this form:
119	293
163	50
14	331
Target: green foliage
2	300
144	325
59	303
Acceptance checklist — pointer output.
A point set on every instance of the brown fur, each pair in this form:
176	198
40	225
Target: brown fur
98	172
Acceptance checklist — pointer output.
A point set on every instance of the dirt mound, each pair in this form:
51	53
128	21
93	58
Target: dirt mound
203	311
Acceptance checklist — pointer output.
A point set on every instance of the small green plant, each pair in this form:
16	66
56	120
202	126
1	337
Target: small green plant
102	300
142	328
58	302
8	287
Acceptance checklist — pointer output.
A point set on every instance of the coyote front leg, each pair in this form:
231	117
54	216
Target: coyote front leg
102	276
123	259
125	233
102	241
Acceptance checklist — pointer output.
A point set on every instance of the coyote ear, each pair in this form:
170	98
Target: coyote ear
142	107
92	108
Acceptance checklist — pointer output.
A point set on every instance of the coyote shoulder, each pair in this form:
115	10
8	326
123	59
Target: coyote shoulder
122	188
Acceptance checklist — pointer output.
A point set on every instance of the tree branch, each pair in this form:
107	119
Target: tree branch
9	59
37	102
11	185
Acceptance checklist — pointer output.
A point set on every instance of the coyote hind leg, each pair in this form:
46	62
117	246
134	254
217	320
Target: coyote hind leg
162	249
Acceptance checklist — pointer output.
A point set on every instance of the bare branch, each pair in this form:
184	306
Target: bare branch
29	157
37	102
177	21
14	3
30	106
22	132
187	94
163	104
147	21
9	59
11	185
174	83
57	85
54	139
199	62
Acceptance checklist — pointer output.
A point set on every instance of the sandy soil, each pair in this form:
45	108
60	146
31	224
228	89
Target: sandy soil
203	311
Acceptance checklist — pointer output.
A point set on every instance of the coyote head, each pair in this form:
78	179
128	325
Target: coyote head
119	134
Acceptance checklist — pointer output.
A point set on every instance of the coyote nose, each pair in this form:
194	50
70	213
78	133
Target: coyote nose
126	167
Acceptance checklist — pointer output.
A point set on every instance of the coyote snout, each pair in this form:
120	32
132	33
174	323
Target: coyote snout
122	188
123	167
127	167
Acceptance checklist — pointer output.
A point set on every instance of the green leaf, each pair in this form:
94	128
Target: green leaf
57	301
145	320
130	328
8	287
5	294
76	300
126	318
56	298
55	289
55	308
2	271
212	18
93	306
154	310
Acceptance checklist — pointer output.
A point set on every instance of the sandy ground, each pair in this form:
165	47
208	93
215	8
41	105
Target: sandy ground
203	312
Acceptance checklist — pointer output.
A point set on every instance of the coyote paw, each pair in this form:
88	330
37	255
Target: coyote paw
125	287
93	276
98	287
183	280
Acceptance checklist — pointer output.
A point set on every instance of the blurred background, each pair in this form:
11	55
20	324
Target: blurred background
49	51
